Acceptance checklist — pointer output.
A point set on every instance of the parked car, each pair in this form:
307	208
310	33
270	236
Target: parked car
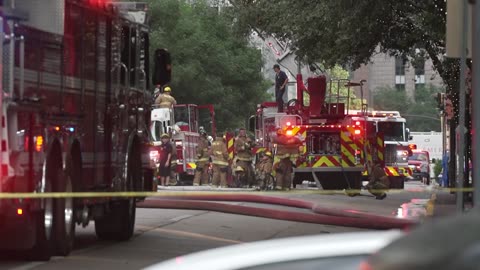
335	251
419	162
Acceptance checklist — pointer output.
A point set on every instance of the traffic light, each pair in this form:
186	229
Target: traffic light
162	73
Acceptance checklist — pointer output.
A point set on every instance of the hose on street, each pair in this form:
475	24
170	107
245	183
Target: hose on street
319	215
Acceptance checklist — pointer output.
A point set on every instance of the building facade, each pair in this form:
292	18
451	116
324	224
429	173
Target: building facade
387	71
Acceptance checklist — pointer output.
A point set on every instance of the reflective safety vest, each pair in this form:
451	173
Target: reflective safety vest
202	150
220	152
243	147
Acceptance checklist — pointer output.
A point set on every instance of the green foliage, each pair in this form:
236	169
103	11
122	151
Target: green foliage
347	32
391	99
340	77
212	64
421	113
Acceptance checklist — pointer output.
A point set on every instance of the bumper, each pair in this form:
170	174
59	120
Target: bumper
328	169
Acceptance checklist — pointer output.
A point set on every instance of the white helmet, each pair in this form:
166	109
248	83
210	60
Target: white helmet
210	138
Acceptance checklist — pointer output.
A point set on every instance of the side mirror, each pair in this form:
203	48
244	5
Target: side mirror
410	138
162	73
251	124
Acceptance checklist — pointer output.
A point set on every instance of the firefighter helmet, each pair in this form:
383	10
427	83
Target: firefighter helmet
167	89
268	154
165	135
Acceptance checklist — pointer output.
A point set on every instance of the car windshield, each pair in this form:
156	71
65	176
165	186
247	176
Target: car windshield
392	131
418	157
139	132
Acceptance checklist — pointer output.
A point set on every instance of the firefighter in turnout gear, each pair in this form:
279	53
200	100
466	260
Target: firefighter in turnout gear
165	99
203	156
220	162
283	172
379	181
173	168
243	148
264	167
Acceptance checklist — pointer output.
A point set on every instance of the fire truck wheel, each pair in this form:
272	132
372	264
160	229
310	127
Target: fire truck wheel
42	250
64	214
119	223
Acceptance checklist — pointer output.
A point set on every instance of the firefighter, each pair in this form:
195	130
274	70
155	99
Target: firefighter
203	156
165	99
165	152
378	183
283	172
264	167
243	148
173	168
220	162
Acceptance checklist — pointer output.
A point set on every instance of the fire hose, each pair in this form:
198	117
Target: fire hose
319	215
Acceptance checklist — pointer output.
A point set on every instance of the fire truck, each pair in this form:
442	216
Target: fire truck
323	141
396	148
74	110
182	122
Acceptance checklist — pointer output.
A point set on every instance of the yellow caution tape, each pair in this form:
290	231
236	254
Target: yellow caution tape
174	193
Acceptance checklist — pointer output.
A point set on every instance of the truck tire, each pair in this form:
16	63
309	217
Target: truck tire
119	223
64	214
42	250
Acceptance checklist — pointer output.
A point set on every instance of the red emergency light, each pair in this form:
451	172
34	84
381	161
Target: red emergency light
358	131
412	146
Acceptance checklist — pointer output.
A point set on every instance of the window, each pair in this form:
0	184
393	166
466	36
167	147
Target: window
399	66
420	72
400	73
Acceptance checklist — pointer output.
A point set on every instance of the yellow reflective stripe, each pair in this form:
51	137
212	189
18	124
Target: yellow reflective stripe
203	159
392	170
220	162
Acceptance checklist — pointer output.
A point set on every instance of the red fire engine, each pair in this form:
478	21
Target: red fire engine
322	139
394	143
183	124
75	75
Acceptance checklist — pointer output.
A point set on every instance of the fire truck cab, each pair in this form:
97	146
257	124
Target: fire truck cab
396	150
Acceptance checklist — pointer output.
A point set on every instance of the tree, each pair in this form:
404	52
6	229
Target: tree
211	63
349	32
391	99
337	72
421	113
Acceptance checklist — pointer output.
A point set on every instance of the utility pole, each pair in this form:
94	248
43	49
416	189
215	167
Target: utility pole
476	105
461	130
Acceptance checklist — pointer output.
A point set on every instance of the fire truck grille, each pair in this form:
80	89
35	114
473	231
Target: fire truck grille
390	155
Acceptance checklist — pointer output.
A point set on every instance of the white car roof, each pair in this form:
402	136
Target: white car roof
294	248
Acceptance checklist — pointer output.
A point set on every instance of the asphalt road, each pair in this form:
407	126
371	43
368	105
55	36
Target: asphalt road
162	234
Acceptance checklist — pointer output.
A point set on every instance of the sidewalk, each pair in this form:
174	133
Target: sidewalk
445	204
